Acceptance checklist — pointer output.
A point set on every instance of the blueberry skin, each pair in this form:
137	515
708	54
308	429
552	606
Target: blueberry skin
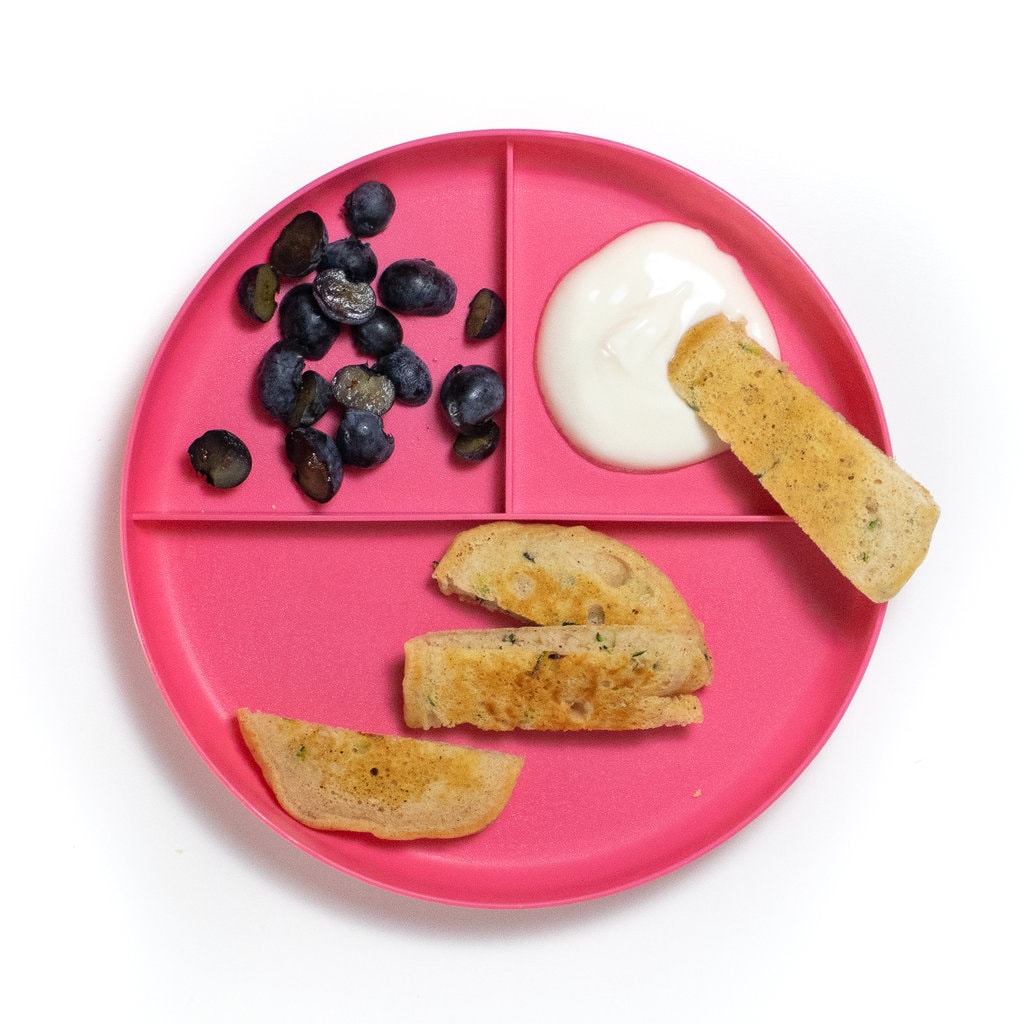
317	462
353	256
471	395
381	334
408	373
361	439
368	208
418	287
304	324
278	379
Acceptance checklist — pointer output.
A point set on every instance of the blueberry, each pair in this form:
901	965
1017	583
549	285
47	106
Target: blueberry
474	444
368	208
221	458
353	256
410	375
362	440
416	286
303	323
359	387
471	394
313	399
344	300
486	315
278	378
257	292
317	462
381	334
300	245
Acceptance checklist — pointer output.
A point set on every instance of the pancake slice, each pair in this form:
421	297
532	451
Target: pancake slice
869	517
394	787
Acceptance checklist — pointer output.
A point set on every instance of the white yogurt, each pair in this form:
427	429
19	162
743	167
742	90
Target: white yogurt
609	331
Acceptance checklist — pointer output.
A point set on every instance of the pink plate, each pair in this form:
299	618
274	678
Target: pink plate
258	597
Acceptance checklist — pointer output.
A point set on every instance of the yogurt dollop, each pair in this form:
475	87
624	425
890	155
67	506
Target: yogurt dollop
611	327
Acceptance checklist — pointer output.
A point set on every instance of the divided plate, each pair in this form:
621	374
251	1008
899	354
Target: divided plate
259	597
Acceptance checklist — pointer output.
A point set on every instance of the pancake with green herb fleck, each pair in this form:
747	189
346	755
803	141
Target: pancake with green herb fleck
552	575
869	517
565	678
394	787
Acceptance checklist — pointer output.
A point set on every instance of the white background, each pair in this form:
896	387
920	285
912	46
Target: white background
878	138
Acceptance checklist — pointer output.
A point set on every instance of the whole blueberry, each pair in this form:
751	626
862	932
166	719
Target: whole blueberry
278	378
362	440
409	373
471	395
304	324
368	208
416	286
353	256
381	334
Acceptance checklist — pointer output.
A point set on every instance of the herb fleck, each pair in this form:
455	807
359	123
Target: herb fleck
545	655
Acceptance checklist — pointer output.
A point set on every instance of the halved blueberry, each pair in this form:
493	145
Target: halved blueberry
221	458
316	461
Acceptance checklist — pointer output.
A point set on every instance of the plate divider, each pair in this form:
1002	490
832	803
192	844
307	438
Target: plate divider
583	516
510	322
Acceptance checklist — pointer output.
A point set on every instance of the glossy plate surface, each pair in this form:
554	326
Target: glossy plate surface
258	597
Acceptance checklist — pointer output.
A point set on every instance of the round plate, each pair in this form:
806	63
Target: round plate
258	597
